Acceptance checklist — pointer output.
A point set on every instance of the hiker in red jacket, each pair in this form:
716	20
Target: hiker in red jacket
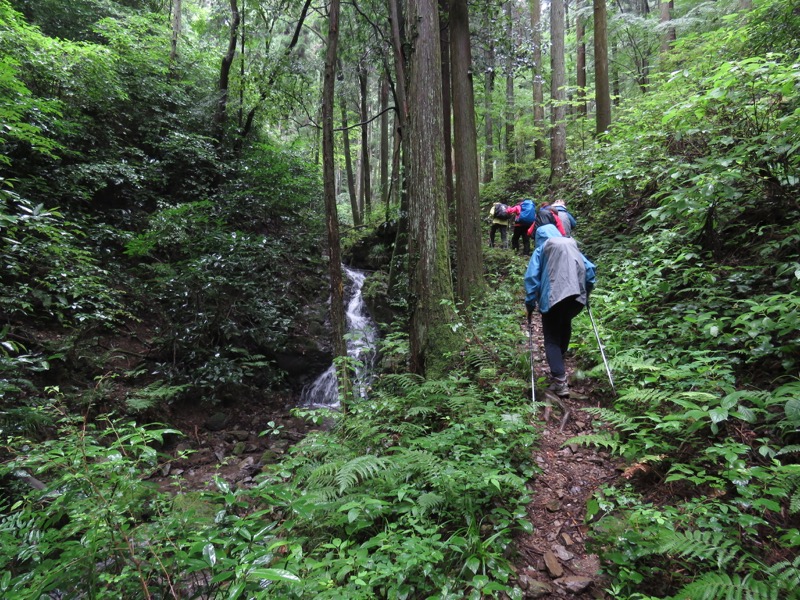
525	215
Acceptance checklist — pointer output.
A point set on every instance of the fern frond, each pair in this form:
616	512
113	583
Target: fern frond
721	586
358	470
411	462
791	449
604	440
648	397
709	546
478	358
619	420
405	429
421	411
459	404
428	502
786	574
401	381
323	475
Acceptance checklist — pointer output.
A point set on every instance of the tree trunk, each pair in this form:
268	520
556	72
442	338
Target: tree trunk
177	8
431	338
444	44
384	158
488	123
220	114
242	81
669	36
401	168
348	163
558	132
602	96
510	118
366	189
538	91
580	35
332	219
469	257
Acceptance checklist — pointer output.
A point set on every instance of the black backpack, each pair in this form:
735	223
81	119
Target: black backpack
501	211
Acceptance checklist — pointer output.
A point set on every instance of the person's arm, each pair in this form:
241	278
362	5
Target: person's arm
572	220
591	276
533	280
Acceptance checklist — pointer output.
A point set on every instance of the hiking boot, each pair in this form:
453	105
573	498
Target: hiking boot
559	387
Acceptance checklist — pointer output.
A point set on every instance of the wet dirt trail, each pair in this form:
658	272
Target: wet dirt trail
553	560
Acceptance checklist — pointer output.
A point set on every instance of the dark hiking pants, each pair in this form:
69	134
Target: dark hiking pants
557	330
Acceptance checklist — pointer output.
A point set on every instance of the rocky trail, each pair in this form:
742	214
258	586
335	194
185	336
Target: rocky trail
553	560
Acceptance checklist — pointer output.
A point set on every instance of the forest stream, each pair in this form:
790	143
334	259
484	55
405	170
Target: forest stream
552	561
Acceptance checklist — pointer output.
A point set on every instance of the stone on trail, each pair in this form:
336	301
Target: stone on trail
553	566
574	583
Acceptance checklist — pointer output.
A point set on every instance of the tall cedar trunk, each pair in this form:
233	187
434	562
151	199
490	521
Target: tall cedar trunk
510	119
469	257
580	34
331	217
444	43
602	97
538	88
669	36
366	188
642	52
558	132
488	123
431	338
615	79
177	8
401	157
348	164
220	114
384	157
242	81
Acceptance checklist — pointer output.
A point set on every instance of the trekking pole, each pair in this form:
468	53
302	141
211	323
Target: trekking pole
602	352
530	346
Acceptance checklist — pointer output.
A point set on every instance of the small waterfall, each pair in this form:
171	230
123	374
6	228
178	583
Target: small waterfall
361	338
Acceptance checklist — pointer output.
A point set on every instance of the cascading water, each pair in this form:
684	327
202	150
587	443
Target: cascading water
362	335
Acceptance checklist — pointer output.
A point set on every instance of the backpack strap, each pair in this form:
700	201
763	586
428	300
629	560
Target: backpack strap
558	222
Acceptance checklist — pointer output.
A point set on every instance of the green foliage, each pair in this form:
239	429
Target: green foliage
38	249
417	489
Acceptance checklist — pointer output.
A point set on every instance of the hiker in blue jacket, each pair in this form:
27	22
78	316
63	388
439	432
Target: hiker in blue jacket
558	280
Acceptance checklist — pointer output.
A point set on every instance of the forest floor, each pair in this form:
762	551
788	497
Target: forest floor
553	560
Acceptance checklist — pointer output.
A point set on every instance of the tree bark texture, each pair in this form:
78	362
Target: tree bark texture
580	34
384	143
538	88
177	9
366	187
511	117
431	338
669	36
602	97
331	216
348	164
488	120
444	41
220	114
469	258
558	131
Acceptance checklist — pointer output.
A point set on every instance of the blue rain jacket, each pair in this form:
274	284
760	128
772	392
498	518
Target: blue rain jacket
557	270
